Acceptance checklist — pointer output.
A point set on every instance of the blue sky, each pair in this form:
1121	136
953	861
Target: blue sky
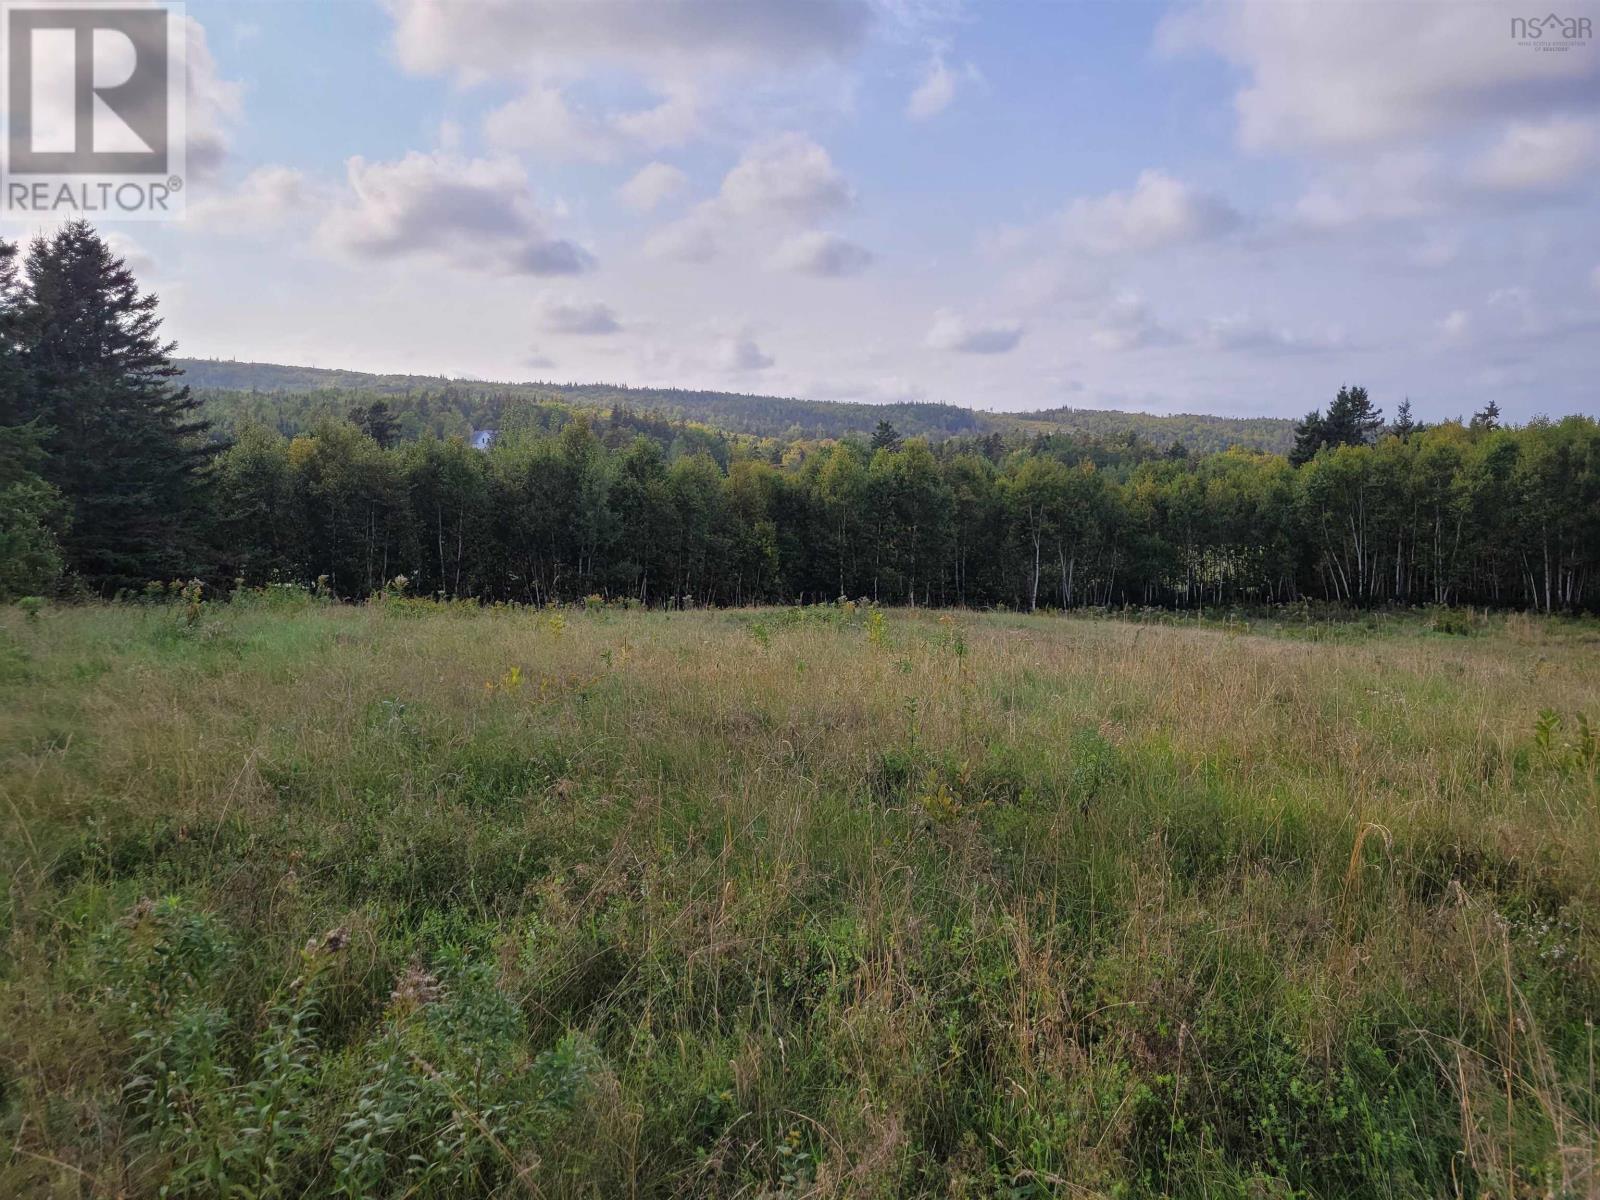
1217	207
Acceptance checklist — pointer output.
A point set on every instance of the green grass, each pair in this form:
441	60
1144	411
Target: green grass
415	900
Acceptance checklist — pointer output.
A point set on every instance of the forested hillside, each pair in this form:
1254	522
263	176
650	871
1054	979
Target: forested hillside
290	398
113	479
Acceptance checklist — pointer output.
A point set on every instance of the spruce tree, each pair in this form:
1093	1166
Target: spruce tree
1487	419
31	511
885	437
1352	419
377	422
1310	435
1403	426
125	444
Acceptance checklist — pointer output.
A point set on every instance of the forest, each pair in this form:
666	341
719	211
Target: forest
291	399
113	477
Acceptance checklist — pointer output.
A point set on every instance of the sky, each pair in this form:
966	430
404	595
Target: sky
1230	208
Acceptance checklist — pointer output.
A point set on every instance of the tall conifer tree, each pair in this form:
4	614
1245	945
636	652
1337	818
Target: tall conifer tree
125	444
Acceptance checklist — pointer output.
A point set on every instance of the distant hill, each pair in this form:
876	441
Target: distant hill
483	403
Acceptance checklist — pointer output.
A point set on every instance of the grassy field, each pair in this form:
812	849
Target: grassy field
409	901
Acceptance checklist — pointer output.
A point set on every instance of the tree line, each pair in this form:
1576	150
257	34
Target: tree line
110	480
292	398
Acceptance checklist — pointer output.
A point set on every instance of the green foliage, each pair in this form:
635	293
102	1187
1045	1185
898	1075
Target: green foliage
1178	906
124	446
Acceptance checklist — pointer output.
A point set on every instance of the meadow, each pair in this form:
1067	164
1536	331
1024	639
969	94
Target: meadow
412	900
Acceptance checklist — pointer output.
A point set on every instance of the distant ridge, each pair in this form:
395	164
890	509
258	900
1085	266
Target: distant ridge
758	415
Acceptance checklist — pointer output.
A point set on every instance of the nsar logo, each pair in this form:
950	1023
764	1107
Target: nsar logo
1551	31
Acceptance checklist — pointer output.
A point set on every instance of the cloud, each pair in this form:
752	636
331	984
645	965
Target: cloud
742	354
817	253
543	120
938	86
1321	75
570	316
652	186
1128	324
786	180
1159	211
1514	317
135	256
1540	156
788	176
1436	250
691	239
1454	325
672	121
934	94
951	331
267	197
213	104
475	214
1594	278
1243	334
515	37
1393	185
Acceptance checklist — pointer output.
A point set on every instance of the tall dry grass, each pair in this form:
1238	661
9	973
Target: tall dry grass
813	902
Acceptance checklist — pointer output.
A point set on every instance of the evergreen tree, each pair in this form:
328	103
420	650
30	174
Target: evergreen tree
1487	419
377	422
1403	426
885	437
31	512
1310	435
124	444
13	367
1352	420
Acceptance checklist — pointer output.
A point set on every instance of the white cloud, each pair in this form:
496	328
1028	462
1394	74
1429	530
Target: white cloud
786	180
1535	156
579	317
1243	334
1159	211
1334	75
1453	326
213	104
934	94
1128	324
1392	186
819	253
738	354
682	36
674	120
267	197
951	331
652	186
138	259
1436	250
788	176
691	239
543	120
476	214
1513	316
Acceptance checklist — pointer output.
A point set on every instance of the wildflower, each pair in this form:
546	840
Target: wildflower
416	988
331	942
